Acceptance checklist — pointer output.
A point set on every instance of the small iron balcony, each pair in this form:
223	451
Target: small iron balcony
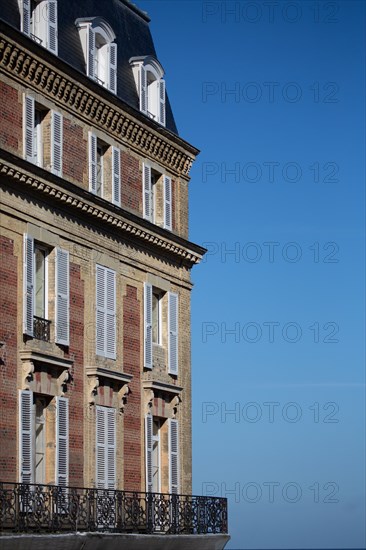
49	509
41	328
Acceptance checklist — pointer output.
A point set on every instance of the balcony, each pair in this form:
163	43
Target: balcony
51	509
41	329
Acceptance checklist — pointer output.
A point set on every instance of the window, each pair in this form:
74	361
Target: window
39	433
38	292
39	21
148	74
43	131
157	197
105	312
100	51
104	170
158	329
156	317
105	448
157	465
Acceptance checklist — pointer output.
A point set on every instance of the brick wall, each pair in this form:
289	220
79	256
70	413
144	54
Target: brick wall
132	414
8	362
131	183
74	152
76	387
11	129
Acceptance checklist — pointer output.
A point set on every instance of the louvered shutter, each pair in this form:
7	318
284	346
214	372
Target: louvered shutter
116	176
62	441
101	448
25	7
162	102
173	456
92	162
111	448
56	143
146	176
90	57
112	57
148	362
173	333
149	451
52	26
28	279
143	90
62	297
26	436
29	128
110	332
101	313
167	203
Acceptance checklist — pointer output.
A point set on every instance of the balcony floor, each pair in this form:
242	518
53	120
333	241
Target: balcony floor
111	541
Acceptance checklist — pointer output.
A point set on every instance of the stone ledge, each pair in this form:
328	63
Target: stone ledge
101	541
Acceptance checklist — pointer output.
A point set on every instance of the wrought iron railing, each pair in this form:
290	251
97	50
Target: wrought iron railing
41	328
48	508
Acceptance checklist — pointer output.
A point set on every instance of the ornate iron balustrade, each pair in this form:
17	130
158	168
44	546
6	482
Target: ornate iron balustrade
48	508
41	328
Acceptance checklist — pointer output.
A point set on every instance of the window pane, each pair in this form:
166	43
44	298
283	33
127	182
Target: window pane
155	318
40	283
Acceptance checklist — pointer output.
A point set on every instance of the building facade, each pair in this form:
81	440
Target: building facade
95	258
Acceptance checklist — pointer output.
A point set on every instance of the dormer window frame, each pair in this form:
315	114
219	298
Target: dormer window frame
38	20
100	51
150	84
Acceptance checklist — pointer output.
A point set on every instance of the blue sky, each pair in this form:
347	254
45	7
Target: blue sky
273	93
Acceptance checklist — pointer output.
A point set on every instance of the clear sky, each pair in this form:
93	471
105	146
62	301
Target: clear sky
273	94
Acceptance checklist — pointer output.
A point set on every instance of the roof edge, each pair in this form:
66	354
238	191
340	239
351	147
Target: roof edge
135	9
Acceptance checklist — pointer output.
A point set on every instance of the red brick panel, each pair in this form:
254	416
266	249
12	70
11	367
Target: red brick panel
132	414
131	183
74	152
11	134
76	387
8	362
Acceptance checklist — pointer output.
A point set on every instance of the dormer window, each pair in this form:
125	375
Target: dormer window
100	51
39	21
148	74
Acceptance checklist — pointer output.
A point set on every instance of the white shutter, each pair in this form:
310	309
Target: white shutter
101	313
173	333
29	128
26	436
148	361
147	193
162	102
62	441
62	297
116	176
101	448
52	26
56	143
28	283
173	456
25	7
90	51
111	449
149	451
110	308
167	203
112	58
143	90
92	162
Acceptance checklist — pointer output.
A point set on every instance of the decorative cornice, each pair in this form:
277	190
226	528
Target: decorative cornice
108	217
112	116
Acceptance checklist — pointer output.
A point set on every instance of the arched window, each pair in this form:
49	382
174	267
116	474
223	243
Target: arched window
150	84
100	51
39	21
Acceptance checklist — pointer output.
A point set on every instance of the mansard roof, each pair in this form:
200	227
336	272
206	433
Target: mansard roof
130	25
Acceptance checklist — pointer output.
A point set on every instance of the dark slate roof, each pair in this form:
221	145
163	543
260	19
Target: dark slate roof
133	37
